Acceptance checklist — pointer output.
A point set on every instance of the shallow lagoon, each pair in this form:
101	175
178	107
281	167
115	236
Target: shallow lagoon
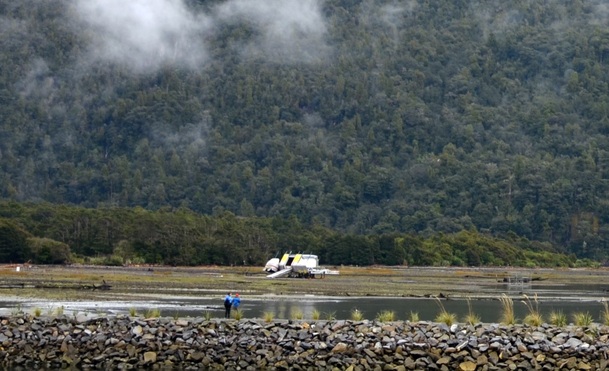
284	307
568	296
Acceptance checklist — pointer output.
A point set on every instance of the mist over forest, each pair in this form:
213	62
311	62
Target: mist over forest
365	117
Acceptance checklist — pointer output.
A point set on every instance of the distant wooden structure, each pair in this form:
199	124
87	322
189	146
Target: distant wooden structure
518	280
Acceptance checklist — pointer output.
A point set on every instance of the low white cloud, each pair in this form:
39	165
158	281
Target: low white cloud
144	34
289	30
147	34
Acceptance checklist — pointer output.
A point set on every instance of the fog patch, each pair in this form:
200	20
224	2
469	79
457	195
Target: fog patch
38	81
286	31
144	34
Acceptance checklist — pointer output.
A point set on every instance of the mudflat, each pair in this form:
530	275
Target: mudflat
79	282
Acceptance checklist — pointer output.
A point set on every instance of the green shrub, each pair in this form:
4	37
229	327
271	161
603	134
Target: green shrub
14	247
48	251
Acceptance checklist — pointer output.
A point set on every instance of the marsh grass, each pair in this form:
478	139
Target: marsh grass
507	316
367	271
37	312
558	318
534	317
268	317
132	312
605	312
582	319
414	316
357	315
296	314
471	317
386	316
207	315
444	316
316	315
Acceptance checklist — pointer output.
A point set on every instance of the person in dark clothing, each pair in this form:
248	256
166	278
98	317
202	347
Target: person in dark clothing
228	303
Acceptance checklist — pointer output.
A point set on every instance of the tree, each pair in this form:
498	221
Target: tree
48	251
14	247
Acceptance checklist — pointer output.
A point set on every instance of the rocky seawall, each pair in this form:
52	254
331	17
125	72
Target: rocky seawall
121	342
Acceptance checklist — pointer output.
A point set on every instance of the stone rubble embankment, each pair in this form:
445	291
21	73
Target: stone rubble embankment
122	342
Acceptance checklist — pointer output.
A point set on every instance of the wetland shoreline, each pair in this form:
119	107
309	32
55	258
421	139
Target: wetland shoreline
129	286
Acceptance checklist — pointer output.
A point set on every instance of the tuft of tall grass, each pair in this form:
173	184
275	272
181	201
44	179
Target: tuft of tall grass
414	316
153	313
297	314
37	312
357	315
207	315
237	314
316	315
534	317
268	316
132	312
386	316
605	312
507	310
582	319
558	318
330	316
445	316
17	311
471	317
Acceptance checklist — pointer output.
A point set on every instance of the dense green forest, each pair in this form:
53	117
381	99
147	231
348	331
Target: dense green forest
118	236
360	119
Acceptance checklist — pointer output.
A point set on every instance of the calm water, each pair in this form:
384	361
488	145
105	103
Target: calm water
283	307
566	298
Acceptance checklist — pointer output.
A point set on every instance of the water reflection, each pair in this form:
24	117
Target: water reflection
566	298
285	307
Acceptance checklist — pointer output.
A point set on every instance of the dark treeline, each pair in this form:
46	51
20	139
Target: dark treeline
51	234
356	121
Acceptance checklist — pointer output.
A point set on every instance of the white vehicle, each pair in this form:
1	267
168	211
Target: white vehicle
296	265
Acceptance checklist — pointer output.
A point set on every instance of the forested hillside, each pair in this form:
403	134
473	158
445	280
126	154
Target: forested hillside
364	117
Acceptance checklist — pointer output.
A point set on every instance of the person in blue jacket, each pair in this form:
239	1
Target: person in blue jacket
236	301
228	303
